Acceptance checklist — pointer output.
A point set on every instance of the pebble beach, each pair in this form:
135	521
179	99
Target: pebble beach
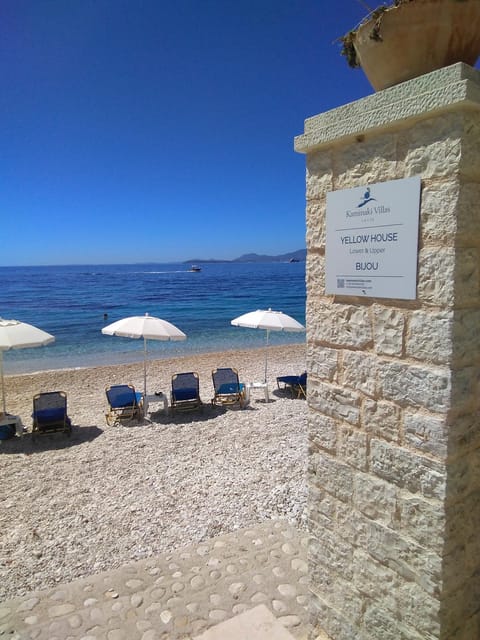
73	507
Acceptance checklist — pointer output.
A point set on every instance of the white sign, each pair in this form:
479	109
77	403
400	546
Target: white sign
372	240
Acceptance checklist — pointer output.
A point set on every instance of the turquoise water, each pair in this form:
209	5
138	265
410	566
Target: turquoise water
70	302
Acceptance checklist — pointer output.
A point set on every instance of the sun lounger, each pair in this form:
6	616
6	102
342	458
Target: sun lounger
228	390
297	385
185	391
50	414
124	404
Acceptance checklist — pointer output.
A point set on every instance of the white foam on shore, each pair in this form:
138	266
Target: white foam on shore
123	359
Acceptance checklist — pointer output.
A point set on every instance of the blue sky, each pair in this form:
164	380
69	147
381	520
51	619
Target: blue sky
147	130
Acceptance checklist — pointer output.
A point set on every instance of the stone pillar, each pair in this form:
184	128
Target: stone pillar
393	387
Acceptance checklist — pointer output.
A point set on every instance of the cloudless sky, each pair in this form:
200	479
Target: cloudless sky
157	131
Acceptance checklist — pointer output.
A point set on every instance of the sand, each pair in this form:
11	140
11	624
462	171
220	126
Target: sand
72	507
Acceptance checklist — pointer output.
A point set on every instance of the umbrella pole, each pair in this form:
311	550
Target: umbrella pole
3	382
144	369
266	357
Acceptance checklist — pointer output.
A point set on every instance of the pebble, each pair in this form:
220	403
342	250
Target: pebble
165	616
138	492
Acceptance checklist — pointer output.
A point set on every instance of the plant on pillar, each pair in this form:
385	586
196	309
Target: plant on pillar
408	38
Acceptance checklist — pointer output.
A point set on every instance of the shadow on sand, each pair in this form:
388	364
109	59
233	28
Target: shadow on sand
287	392
48	442
208	412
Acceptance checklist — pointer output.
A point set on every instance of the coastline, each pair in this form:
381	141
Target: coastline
112	358
21	387
108	495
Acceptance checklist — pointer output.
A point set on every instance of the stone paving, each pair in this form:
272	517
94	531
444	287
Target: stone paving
175	595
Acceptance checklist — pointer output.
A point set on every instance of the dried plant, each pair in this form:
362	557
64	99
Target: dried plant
375	16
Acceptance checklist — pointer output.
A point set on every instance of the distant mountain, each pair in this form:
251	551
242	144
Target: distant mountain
294	256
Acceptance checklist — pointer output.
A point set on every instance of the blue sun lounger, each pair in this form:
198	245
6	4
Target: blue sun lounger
185	391
124	404
227	388
50	414
297	385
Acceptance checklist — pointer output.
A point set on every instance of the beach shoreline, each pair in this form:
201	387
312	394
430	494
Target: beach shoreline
125	359
109	495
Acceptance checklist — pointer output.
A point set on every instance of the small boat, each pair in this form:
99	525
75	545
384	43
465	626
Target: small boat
294	260
194	267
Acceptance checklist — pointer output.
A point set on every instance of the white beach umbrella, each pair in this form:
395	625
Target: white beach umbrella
146	327
270	321
19	335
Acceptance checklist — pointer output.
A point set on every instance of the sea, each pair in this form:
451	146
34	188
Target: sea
75	302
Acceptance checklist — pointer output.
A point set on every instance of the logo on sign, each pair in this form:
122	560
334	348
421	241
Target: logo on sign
361	210
366	198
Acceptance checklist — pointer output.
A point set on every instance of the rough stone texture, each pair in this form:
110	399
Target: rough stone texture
422	325
339	324
416	386
359	372
388	330
394	438
445	89
382	419
435	280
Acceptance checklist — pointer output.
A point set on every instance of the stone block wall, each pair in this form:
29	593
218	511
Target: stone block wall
394	402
